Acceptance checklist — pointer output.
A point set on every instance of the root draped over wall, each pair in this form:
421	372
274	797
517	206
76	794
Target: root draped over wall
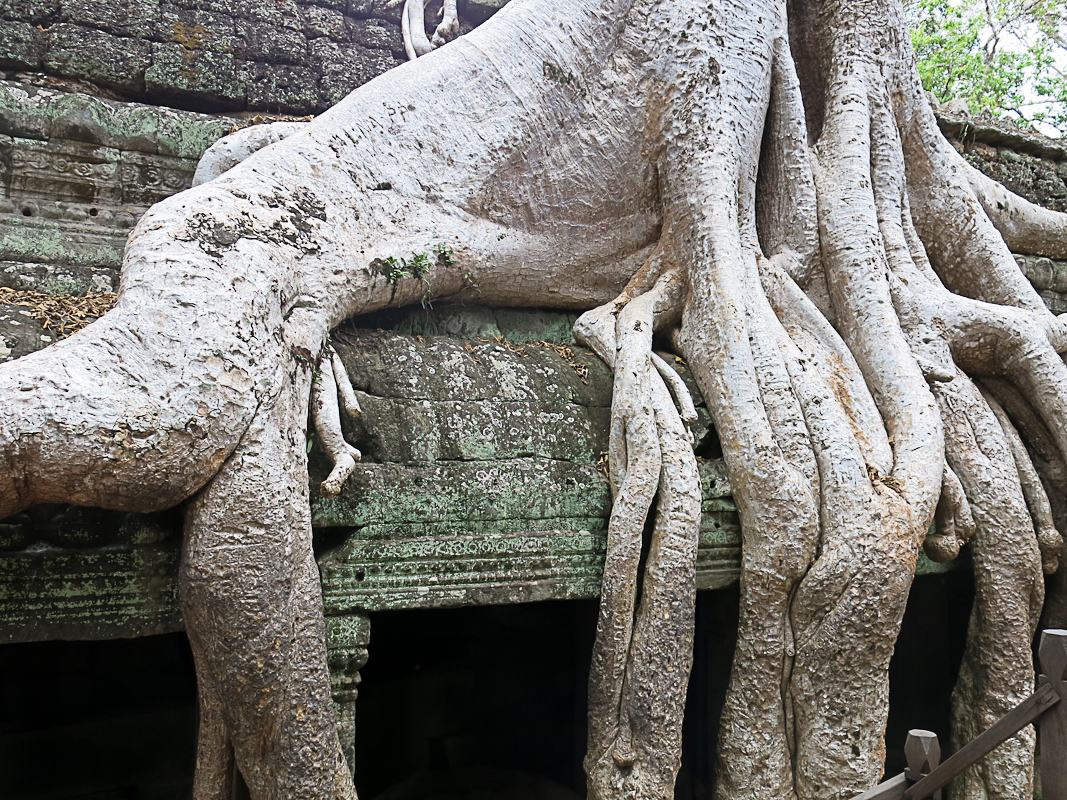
763	183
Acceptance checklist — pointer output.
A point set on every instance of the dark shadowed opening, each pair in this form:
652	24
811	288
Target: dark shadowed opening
449	698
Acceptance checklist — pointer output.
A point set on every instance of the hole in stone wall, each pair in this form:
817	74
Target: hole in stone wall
93	212
451	696
27	212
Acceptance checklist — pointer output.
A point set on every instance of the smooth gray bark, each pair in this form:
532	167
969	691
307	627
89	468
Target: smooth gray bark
761	180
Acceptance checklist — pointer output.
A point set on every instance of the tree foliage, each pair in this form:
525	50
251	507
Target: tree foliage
1006	57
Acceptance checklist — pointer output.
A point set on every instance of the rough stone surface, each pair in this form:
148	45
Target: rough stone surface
77	172
480	485
1029	164
72	573
293	57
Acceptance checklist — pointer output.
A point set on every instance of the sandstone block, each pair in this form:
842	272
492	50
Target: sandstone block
280	87
211	78
96	56
343	67
138	19
478	11
276	14
374	33
373	8
32	11
319	21
22	45
198	30
274	44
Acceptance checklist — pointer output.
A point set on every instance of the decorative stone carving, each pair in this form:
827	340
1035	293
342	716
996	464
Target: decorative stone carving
347	638
77	173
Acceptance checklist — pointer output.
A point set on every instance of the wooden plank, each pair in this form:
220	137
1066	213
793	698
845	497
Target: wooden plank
1004	728
892	789
1052	726
923	752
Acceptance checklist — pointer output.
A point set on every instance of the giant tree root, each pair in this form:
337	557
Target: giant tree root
761	181
641	666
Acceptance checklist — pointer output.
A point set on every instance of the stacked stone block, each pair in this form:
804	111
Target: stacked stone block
281	56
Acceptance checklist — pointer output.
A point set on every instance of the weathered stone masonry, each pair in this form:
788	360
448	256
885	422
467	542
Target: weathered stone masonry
480	483
288	56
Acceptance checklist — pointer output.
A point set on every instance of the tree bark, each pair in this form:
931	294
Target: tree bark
761	180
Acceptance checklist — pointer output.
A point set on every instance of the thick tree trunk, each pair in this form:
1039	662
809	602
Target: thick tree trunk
763	181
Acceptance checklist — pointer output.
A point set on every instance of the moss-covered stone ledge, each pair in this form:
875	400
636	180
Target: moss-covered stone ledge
481	484
77	173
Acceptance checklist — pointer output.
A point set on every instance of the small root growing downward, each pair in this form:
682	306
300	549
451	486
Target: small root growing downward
330	385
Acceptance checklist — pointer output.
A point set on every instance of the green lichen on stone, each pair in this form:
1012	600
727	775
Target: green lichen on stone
466	505
23	239
89	594
517	325
520	488
37	113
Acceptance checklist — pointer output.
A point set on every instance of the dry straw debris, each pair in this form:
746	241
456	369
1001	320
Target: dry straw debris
60	315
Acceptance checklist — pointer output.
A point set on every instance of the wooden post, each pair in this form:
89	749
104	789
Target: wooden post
1052	724
923	753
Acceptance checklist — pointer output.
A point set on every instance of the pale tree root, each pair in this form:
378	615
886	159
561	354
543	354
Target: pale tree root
1049	539
856	576
844	610
331	384
1040	446
1014	531
835	498
137	438
254	616
215	769
413	28
990	482
991	495
1052	469
758	700
803	713
1026	227
231	150
641	665
954	524
996	672
448	27
1003	501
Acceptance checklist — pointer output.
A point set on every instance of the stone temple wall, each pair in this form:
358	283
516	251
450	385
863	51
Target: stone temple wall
76	172
292	56
482	489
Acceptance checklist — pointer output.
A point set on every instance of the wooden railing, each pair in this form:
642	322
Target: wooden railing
926	775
